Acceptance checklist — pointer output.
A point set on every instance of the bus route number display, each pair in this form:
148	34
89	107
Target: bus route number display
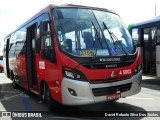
86	52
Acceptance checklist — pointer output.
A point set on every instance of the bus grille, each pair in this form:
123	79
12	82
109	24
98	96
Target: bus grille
111	90
109	80
108	65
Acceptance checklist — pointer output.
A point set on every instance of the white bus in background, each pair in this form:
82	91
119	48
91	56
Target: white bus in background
146	36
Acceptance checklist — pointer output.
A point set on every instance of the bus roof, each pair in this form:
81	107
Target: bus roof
155	19
50	6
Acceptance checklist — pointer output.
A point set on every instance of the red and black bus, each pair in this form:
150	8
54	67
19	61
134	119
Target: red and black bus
73	55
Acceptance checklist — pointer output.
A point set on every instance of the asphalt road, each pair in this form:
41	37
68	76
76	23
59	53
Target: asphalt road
148	100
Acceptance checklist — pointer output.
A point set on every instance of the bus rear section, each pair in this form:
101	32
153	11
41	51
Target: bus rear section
146	37
78	55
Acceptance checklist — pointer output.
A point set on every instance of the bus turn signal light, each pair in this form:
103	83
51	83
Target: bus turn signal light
138	69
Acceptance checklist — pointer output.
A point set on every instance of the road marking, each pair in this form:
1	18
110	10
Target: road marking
25	102
141	98
9	97
8	92
151	93
145	85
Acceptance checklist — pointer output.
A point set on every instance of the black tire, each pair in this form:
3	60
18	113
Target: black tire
14	82
113	101
15	85
52	104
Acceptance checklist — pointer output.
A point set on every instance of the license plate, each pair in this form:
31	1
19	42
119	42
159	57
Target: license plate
113	96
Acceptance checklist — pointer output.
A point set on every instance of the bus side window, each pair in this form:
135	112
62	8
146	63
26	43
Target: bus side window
19	47
38	42
49	51
135	37
23	50
158	36
12	50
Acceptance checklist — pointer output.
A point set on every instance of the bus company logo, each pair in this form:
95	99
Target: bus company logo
110	59
113	74
111	66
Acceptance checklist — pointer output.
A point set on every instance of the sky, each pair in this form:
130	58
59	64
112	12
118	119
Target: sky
15	12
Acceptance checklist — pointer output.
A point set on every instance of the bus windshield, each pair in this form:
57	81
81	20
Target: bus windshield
86	32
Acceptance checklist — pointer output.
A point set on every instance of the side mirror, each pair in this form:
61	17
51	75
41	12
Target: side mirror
42	53
45	28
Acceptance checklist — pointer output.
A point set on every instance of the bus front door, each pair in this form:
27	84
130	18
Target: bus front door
7	58
149	50
31	57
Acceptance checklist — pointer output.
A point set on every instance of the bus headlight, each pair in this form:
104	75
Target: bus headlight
73	74
138	69
69	74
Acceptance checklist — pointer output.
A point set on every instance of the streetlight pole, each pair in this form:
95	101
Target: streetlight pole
155	9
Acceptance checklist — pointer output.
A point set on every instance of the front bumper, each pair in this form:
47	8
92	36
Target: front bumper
84	94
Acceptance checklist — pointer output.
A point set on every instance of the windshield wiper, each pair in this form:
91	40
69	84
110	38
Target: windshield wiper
97	37
114	37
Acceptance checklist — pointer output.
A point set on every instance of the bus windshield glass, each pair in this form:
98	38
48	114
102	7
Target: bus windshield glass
86	32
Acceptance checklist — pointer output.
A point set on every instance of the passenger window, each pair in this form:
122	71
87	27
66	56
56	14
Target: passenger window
33	44
23	50
48	42
19	47
12	37
12	50
49	51
12	47
135	36
158	36
38	43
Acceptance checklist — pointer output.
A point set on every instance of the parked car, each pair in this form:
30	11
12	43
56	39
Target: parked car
1	66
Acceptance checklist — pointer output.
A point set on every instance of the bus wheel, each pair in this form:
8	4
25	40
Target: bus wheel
14	82
52	104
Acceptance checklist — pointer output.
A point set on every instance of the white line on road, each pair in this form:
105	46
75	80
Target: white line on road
8	92
9	97
141	98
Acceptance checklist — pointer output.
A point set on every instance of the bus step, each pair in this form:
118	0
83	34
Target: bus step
34	91
149	75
